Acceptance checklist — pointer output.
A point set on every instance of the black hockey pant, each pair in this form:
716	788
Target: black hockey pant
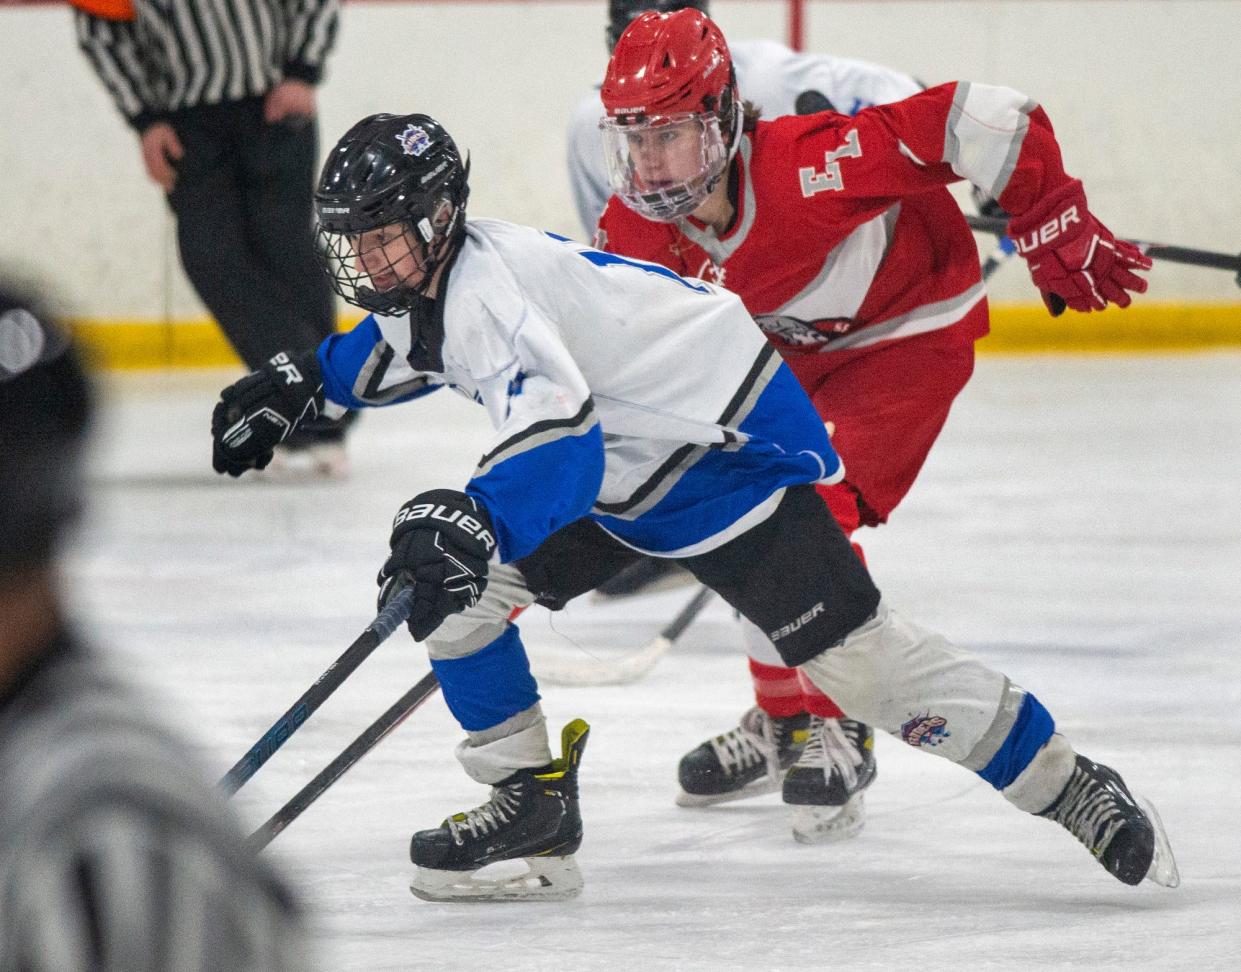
243	202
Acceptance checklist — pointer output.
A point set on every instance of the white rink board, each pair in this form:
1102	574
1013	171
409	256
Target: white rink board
1078	525
1143	94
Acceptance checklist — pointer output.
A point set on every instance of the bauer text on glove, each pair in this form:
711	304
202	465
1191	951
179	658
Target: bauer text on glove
1074	259
260	411
441	542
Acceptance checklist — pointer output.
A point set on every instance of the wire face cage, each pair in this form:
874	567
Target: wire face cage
380	270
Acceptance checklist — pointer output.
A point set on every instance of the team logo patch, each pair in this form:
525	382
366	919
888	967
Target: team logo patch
925	730
802	334
414	140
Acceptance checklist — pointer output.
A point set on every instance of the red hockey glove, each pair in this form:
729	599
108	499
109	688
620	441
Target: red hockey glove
1074	259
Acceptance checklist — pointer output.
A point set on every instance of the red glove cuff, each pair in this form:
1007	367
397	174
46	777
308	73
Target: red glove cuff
1054	221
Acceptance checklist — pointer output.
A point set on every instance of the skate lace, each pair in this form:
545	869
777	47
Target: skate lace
488	817
750	743
1089	812
833	748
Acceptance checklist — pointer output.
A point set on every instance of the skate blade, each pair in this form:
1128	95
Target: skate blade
757	788
824	825
546	879
327	461
1163	870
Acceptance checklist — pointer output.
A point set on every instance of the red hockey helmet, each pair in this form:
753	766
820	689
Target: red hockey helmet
673	116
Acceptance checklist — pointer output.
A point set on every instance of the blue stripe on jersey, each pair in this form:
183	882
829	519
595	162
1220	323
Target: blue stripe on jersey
787	444
341	357
1030	732
534	493
601	258
489	686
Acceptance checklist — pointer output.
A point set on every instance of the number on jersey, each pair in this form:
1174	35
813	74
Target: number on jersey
830	179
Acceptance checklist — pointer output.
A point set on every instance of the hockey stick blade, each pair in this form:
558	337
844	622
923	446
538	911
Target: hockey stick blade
631	666
401	710
388	620
1156	251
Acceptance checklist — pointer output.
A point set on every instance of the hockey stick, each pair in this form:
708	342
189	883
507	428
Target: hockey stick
388	620
1157	251
381	727
998	257
633	665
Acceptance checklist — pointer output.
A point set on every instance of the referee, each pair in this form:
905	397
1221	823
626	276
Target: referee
222	96
115	854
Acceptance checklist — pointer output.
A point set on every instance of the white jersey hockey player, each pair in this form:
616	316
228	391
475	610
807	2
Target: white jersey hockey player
776	79
606	444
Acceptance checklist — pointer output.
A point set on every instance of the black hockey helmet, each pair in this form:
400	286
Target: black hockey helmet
623	12
45	410
390	170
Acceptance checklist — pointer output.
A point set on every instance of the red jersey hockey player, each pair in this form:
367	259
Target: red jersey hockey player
839	235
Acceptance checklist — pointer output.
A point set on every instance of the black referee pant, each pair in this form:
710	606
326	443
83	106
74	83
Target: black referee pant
243	199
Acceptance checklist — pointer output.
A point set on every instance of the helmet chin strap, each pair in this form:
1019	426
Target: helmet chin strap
738	125
734	143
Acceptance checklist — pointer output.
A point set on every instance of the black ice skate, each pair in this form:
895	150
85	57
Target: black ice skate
826	784
532	815
646	576
1123	832
746	761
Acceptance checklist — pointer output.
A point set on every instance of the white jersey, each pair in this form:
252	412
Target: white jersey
770	76
617	389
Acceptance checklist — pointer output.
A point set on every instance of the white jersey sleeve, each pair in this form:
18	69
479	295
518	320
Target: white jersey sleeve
772	77
588	174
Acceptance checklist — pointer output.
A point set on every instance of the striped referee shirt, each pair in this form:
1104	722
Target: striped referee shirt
177	54
115	854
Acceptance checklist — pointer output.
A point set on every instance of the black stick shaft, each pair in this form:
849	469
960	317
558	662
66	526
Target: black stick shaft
1158	251
672	630
387	621
377	730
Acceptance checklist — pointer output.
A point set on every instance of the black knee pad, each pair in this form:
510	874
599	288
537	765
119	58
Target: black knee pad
795	575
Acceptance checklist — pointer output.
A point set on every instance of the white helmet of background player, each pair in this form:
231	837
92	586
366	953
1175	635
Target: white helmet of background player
673	115
621	13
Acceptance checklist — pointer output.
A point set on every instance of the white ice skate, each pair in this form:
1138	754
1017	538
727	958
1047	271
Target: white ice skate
827	784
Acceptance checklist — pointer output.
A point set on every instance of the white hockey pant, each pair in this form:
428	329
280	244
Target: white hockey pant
915	685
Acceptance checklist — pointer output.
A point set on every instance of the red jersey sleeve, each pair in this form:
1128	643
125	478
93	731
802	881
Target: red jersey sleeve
623	231
995	137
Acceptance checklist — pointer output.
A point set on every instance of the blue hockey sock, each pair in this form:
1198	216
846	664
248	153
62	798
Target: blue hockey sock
489	686
1031	730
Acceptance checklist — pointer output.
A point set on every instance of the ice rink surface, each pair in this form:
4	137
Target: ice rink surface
1078	525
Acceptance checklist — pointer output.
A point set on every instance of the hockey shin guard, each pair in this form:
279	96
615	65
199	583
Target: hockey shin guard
915	685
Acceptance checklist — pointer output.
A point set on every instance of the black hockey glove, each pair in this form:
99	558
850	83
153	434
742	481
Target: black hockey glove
441	543
258	412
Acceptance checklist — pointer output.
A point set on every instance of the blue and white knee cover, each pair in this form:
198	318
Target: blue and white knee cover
914	684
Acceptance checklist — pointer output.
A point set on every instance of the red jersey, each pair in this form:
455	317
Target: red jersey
845	235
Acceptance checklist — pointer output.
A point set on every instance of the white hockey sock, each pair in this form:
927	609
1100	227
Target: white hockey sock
519	742
1037	786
